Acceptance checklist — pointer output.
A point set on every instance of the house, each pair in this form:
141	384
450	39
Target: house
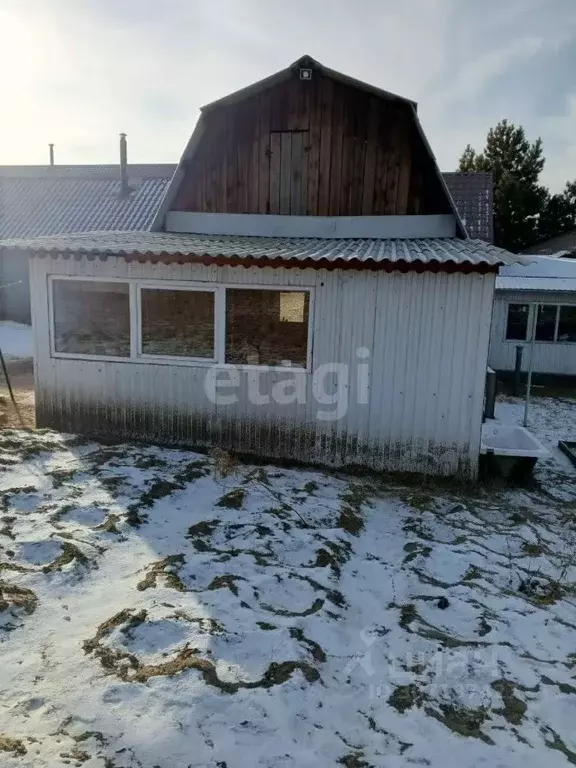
53	199
308	292
561	245
64	199
539	297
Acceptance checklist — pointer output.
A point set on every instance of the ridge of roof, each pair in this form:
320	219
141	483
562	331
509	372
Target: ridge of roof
307	62
91	171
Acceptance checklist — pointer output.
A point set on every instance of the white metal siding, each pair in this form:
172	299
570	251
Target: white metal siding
553	358
428	338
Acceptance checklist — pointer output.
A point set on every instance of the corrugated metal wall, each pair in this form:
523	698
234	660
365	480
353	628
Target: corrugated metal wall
554	358
14	286
428	340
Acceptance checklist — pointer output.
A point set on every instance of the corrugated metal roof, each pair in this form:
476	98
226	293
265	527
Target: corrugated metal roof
44	200
535	284
541	273
361	251
38	200
473	195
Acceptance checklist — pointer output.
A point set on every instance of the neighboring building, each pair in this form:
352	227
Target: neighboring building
473	195
562	245
49	200
307	239
544	293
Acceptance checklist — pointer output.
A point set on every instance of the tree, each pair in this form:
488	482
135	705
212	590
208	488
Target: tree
559	213
516	165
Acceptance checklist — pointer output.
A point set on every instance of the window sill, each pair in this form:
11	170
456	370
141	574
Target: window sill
178	363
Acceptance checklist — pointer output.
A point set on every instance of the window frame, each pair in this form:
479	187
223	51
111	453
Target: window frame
533	310
135	286
528	321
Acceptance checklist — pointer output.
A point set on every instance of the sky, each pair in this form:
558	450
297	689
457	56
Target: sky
78	72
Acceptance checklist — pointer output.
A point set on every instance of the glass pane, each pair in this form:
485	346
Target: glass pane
517	326
567	324
267	327
177	323
546	323
91	318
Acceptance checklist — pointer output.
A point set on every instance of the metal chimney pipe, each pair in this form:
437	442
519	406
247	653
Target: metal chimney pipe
124	188
51	153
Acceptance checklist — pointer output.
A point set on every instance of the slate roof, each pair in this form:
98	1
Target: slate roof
318	252
473	194
38	200
45	200
562	244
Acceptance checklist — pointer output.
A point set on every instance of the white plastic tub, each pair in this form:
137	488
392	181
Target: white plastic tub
511	441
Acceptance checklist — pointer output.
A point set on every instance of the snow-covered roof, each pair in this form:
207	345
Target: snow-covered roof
167	246
541	273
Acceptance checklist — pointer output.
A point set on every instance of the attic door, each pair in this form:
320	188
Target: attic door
288	172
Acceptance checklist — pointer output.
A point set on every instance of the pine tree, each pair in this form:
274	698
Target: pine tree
516	165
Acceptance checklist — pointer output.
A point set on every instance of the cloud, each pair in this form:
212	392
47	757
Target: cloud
81	72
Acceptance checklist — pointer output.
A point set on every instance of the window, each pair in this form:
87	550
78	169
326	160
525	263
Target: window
517	326
91	318
177	323
546	322
267	327
188	323
567	324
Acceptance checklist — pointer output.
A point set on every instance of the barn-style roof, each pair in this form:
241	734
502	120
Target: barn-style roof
295	71
46	200
429	253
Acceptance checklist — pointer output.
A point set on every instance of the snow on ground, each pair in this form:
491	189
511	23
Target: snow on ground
16	340
164	608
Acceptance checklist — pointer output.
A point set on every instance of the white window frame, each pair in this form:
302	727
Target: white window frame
533	307
135	286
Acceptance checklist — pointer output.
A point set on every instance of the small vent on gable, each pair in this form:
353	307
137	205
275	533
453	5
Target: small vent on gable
305	73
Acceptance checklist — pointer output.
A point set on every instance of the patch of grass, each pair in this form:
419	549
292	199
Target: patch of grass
414	550
514	708
408	614
333	555
558	745
404	697
203	528
316	650
77	755
12	596
12	745
533	550
61	476
266	626
227	581
159	489
354	760
472	574
70	553
234	499
464	722
161	569
351	518
110	524
316	606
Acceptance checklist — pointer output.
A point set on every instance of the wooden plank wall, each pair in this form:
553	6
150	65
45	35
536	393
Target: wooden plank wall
319	148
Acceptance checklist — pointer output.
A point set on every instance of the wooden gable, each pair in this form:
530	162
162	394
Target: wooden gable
320	147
